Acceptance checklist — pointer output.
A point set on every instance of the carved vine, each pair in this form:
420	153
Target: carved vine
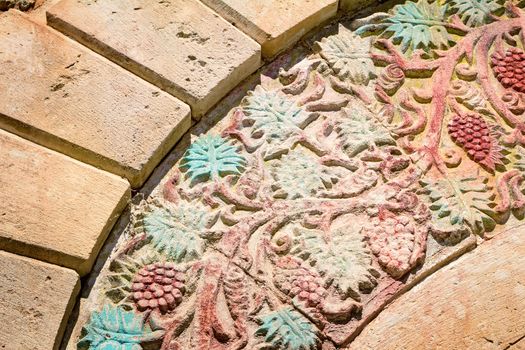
275	232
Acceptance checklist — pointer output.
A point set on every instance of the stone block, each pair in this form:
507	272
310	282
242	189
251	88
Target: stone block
63	96
275	24
36	299
181	46
54	208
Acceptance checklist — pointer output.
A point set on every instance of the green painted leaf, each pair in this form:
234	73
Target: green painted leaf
211	157
343	259
475	12
349	56
175	231
116	329
287	329
458	204
359	130
416	25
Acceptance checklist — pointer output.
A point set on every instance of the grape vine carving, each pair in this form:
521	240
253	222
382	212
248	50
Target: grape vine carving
326	189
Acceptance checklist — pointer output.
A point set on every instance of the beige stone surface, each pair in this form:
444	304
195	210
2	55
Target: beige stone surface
62	95
181	46
275	24
54	208
355	5
477	302
36	299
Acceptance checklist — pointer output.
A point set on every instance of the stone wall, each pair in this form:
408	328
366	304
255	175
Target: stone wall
271	175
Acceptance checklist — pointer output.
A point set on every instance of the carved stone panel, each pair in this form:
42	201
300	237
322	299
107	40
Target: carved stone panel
330	190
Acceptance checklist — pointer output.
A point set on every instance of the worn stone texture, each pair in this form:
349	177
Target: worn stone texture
181	46
36	299
54	208
65	97
477	302
355	5
275	24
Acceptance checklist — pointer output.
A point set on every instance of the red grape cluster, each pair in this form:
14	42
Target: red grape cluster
298	281
509	68
392	241
159	285
472	133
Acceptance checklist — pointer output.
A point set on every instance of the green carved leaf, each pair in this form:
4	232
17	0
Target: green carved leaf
275	119
175	232
359	130
211	157
287	329
343	259
116	329
298	164
459	204
416	25
349	56
475	12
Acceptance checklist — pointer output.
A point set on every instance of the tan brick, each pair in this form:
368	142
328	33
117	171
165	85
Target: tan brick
36	299
477	302
61	95
54	208
180	45
275	24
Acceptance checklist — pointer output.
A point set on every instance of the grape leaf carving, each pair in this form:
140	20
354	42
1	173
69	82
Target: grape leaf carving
416	26
475	12
114	328
298	164
287	329
349	56
175	232
359	130
275	119
343	260
462	204
210	157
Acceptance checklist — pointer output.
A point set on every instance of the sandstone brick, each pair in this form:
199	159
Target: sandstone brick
61	95
36	299
181	46
477	302
275	24
54	208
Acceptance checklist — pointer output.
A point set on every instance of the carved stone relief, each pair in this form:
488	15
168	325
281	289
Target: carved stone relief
331	189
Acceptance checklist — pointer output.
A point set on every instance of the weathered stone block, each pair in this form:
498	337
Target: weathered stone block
181	46
477	302
54	208
275	24
61	95
36	299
